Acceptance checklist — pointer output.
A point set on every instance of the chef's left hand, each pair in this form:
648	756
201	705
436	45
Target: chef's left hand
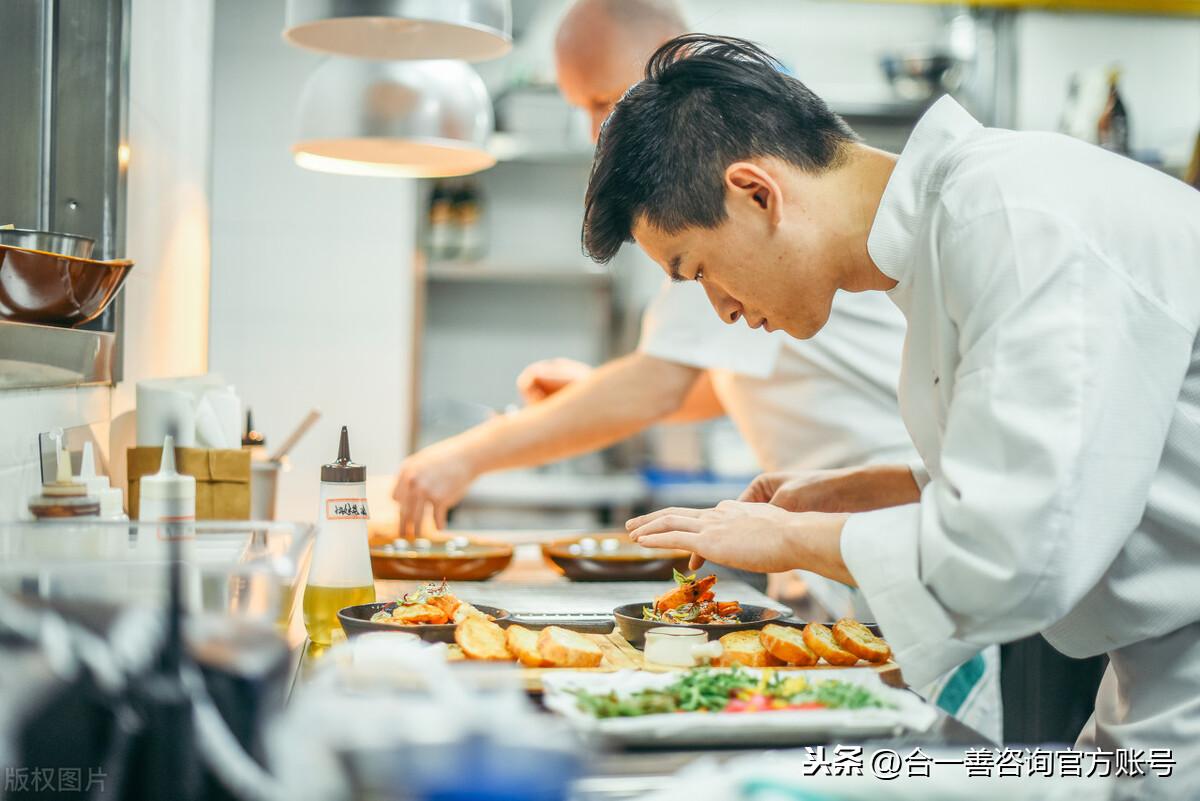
751	536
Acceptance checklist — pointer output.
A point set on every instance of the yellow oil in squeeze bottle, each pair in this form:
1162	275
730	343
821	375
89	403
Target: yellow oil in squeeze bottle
340	574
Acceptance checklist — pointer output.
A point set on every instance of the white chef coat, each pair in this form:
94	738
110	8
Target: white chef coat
1051	383
822	403
826	402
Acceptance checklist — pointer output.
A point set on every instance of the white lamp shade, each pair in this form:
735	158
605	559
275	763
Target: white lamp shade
471	30
418	119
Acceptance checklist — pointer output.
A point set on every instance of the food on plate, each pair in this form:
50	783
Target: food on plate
482	639
736	690
431	604
415	614
819	638
466	610
523	644
787	644
857	639
745	648
692	601
565	648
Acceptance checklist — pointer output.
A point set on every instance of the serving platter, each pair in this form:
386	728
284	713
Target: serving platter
774	728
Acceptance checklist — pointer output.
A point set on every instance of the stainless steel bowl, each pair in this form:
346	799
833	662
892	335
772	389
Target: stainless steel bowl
79	247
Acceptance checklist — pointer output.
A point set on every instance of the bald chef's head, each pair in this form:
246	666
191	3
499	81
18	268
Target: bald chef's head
602	47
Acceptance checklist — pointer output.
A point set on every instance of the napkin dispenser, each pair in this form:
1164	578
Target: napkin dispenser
222	479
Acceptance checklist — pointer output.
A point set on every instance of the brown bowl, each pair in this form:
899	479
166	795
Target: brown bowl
52	289
459	559
612	557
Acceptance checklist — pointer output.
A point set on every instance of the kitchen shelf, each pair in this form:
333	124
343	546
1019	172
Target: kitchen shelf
33	356
510	147
486	272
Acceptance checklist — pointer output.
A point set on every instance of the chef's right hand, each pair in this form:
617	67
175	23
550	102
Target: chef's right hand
430	482
542	379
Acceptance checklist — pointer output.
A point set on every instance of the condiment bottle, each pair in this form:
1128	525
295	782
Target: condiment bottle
63	497
168	498
111	501
1112	129
340	574
253	440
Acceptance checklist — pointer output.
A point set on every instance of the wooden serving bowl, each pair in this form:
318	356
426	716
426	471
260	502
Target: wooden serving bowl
612	557
458	559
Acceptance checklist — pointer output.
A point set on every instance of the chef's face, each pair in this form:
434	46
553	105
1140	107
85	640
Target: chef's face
771	262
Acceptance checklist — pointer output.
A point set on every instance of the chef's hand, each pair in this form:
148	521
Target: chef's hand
859	489
752	536
542	379
803	491
429	483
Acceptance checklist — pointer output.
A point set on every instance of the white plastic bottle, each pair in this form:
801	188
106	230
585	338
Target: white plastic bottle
168	498
112	504
340	574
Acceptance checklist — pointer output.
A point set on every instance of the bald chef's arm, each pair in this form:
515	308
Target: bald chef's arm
1067	384
614	401
701	402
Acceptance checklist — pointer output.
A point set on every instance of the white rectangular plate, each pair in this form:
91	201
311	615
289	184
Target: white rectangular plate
736	729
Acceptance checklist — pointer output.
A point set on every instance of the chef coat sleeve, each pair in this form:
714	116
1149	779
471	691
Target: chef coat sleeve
681	326
1068	375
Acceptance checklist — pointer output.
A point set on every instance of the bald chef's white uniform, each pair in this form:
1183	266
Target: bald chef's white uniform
815	404
1051	382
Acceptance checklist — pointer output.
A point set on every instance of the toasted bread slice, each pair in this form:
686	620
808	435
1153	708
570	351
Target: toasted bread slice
480	638
524	645
412	614
819	638
745	648
565	648
786	643
857	639
465	610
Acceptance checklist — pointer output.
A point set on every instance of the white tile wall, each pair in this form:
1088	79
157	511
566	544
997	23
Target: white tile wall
166	295
311	280
25	413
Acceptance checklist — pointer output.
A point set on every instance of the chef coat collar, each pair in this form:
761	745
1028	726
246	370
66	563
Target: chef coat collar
913	185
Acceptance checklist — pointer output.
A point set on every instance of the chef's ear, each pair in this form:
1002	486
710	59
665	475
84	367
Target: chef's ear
750	182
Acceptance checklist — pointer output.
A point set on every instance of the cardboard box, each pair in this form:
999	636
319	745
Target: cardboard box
222	479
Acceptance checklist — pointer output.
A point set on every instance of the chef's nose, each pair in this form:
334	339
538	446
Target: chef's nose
728	309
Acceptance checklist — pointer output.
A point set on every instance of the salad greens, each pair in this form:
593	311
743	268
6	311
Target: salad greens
735	690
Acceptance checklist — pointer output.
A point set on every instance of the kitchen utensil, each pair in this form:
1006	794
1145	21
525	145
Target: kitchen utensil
612	557
79	247
356	620
50	289
923	76
458	559
264	489
633	628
